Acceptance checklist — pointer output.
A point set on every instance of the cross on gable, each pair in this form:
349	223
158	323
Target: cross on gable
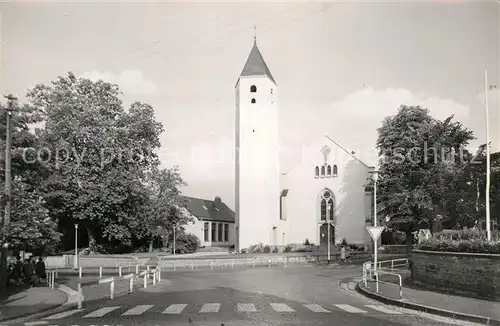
325	150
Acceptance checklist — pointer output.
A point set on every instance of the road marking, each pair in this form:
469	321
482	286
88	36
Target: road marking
281	307
33	323
246	307
101	312
64	314
316	308
210	307
175	309
137	310
383	309
349	308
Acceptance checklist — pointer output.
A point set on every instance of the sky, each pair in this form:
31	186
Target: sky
341	67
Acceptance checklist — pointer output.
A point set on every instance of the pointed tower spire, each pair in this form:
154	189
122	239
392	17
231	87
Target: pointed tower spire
255	65
254	35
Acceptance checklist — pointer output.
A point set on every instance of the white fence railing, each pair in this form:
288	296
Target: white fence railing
372	274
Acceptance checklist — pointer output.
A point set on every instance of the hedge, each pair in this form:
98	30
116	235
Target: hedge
468	240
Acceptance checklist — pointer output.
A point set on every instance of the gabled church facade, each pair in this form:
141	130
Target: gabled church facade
275	208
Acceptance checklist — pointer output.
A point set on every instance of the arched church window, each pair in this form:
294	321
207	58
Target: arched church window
322	171
253	101
329	170
316	172
253	89
327	207
334	170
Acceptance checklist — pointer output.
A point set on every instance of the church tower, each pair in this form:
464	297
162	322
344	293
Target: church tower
257	188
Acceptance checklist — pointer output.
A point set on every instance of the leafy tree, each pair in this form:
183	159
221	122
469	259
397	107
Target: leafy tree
418	168
166	209
99	157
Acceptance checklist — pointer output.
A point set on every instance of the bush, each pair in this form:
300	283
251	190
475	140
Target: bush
344	242
393	238
469	240
288	248
275	250
306	242
186	243
267	249
256	249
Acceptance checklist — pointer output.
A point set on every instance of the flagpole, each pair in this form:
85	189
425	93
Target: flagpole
488	226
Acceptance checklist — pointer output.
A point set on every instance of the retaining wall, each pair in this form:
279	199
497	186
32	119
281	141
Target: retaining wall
475	275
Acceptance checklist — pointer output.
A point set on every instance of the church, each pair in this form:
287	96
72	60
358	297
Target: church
325	196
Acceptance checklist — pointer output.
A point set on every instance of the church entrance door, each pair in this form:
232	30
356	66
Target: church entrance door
323	231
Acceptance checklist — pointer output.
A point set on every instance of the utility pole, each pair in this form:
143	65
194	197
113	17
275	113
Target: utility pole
8	189
488	150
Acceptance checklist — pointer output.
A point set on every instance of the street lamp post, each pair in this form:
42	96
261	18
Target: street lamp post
174	241
488	167
328	208
76	246
374	175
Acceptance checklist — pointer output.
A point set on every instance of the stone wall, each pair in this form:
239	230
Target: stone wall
475	275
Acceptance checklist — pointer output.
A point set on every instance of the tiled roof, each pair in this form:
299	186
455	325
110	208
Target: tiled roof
209	210
255	65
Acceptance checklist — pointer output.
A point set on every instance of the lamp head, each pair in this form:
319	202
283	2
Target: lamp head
374	175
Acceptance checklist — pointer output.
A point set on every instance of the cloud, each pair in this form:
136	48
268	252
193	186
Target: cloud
353	121
131	82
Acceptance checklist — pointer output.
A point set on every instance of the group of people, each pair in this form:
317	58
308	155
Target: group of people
28	272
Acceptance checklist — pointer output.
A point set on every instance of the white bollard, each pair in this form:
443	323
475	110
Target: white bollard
285	261
232	263
174	266
147	269
159	274
119	271
145	280
80	271
100	272
137	269
80	296
131	285
253	263
192	264
269	261
211	265
154	278
112	289
53	280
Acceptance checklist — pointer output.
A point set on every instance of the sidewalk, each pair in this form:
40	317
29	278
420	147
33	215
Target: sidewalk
454	306
30	301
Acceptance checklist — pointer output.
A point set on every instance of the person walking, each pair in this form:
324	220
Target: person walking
40	271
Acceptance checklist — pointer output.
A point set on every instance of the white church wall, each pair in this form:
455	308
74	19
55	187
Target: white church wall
303	197
196	228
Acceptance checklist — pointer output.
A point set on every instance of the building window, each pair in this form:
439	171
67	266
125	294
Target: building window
253	101
226	232
253	89
316	172
220	232
334	170
329	170
214	232
327	207
271	91
322	171
205	232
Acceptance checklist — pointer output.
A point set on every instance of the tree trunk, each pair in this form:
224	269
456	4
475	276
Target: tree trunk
92	242
151	245
409	247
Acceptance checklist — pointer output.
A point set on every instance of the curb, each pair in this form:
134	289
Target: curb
43	311
428	309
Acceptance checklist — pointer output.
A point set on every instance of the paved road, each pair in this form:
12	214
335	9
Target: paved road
295	296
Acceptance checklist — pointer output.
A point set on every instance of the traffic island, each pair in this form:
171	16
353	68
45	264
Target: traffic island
456	307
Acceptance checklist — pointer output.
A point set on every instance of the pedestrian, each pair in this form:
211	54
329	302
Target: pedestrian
18	270
342	254
29	271
40	271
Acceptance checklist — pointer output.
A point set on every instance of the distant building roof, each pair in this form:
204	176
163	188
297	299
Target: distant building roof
255	65
209	210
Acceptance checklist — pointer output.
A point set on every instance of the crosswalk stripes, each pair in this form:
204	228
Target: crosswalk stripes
246	307
137	310
64	314
316	308
175	308
210	307
281	307
101	312
350	308
207	308
383	309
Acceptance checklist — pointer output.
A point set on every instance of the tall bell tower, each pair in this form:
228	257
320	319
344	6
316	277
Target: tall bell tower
257	188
